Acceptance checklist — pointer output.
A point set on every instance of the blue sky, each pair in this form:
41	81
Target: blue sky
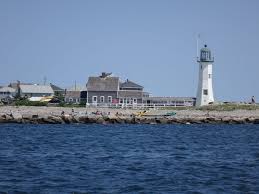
150	42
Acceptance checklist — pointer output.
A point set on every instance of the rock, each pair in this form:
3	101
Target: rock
83	119
66	119
100	120
27	116
238	120
162	120
17	116
35	116
256	121
3	119
196	121
57	119
251	119
119	120
129	120
47	120
74	119
226	120
9	117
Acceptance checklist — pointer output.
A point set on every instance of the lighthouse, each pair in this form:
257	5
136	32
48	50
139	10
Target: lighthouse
205	89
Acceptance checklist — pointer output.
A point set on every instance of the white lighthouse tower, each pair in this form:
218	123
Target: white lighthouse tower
205	89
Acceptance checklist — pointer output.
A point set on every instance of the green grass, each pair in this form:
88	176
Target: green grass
221	107
229	107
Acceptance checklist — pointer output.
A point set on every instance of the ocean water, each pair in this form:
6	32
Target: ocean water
129	159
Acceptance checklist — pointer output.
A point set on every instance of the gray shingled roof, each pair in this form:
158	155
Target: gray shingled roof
7	89
56	88
15	85
40	89
103	84
130	84
130	94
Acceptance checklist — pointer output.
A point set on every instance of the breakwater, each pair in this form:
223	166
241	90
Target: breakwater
99	119
65	115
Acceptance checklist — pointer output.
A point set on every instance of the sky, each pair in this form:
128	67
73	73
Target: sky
150	42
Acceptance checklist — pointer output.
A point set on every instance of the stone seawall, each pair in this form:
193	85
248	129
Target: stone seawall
63	115
68	119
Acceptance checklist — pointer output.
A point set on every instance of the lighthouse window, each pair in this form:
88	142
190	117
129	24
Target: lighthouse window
205	92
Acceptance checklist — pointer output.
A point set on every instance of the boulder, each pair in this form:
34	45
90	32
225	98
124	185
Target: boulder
100	120
66	119
17	116
56	119
27	116
256	121
162	120
239	120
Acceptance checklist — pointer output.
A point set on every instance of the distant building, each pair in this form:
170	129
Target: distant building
16	86
102	89
76	95
35	91
7	92
169	101
107	90
130	93
58	91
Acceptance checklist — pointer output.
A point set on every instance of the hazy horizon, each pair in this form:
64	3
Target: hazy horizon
152	43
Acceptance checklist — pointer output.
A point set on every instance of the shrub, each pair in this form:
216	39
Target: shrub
26	102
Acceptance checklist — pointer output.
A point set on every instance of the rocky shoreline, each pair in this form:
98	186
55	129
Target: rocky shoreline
35	119
52	115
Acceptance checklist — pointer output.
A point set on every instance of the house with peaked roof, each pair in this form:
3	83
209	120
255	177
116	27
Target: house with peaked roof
7	92
76	95
29	91
109	90
102	89
58	91
130	93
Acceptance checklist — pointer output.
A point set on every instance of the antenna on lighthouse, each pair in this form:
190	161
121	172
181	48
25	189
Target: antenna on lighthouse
197	45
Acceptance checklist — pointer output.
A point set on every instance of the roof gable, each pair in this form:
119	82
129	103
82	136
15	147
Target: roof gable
103	84
56	88
130	84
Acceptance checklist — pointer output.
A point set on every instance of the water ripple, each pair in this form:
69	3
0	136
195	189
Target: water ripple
129	159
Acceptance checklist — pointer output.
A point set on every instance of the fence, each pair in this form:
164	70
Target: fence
139	106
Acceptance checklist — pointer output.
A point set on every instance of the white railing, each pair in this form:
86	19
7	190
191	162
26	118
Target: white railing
138	106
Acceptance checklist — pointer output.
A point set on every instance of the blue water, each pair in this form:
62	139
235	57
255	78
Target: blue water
129	159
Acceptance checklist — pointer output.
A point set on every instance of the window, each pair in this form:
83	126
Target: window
121	101
205	92
102	99
209	75
135	100
94	99
70	99
109	99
